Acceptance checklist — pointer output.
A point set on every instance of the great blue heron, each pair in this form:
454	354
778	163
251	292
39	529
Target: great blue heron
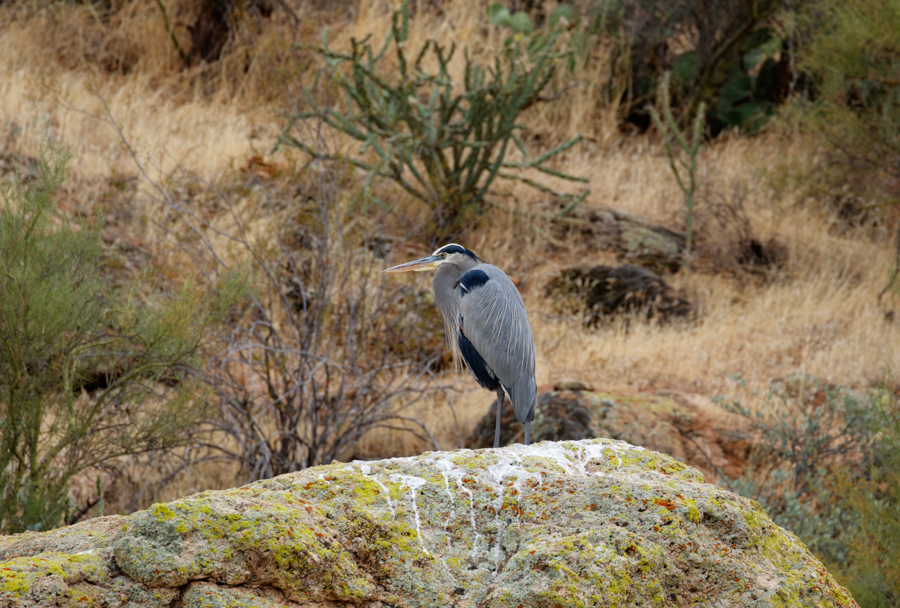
486	326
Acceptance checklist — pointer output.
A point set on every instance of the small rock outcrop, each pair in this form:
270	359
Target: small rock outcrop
689	427
587	523
633	239
601	293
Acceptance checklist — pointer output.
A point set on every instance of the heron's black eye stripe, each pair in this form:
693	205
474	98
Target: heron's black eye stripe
472	280
454	248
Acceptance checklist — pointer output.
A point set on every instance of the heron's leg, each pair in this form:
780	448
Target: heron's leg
527	431
500	397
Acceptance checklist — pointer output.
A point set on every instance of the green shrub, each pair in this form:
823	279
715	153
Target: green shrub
872	568
828	469
444	146
853	55
82	365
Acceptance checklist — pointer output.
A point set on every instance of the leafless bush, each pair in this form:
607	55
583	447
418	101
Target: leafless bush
308	369
307	365
726	240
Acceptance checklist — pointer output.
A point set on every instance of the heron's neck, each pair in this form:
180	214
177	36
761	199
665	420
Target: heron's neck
446	281
446	291
446	295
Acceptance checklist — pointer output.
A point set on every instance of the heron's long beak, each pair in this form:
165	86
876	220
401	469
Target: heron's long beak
429	263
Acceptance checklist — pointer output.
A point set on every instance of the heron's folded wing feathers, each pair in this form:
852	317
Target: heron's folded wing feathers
495	322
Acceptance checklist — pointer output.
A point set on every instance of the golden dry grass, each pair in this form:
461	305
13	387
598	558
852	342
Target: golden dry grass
819	314
53	88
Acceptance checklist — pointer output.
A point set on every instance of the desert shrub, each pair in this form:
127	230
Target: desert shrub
826	467
316	361
444	146
727	242
315	357
872	567
853	54
88	374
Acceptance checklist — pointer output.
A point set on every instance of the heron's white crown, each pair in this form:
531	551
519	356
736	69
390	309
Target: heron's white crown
448	245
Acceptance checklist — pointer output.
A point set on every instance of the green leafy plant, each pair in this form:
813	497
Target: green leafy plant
725	54
684	169
88	374
443	144
518	21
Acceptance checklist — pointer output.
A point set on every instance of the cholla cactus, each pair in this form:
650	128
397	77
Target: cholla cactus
687	182
444	145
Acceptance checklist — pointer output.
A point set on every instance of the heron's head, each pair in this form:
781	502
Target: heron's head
454	254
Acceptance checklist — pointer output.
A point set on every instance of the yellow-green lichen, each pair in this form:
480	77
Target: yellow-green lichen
607	566
18	575
162	512
288	543
693	513
13	582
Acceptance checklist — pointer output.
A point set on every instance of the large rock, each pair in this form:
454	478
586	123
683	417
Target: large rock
587	523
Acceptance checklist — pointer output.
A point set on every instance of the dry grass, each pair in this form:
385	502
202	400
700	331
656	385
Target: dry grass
40	106
818	315
69	60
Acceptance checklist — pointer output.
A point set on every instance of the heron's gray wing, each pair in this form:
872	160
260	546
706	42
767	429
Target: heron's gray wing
493	319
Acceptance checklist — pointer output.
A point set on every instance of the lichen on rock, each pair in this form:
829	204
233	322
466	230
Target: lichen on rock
583	523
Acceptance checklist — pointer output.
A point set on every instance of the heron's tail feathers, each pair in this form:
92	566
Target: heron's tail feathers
523	396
